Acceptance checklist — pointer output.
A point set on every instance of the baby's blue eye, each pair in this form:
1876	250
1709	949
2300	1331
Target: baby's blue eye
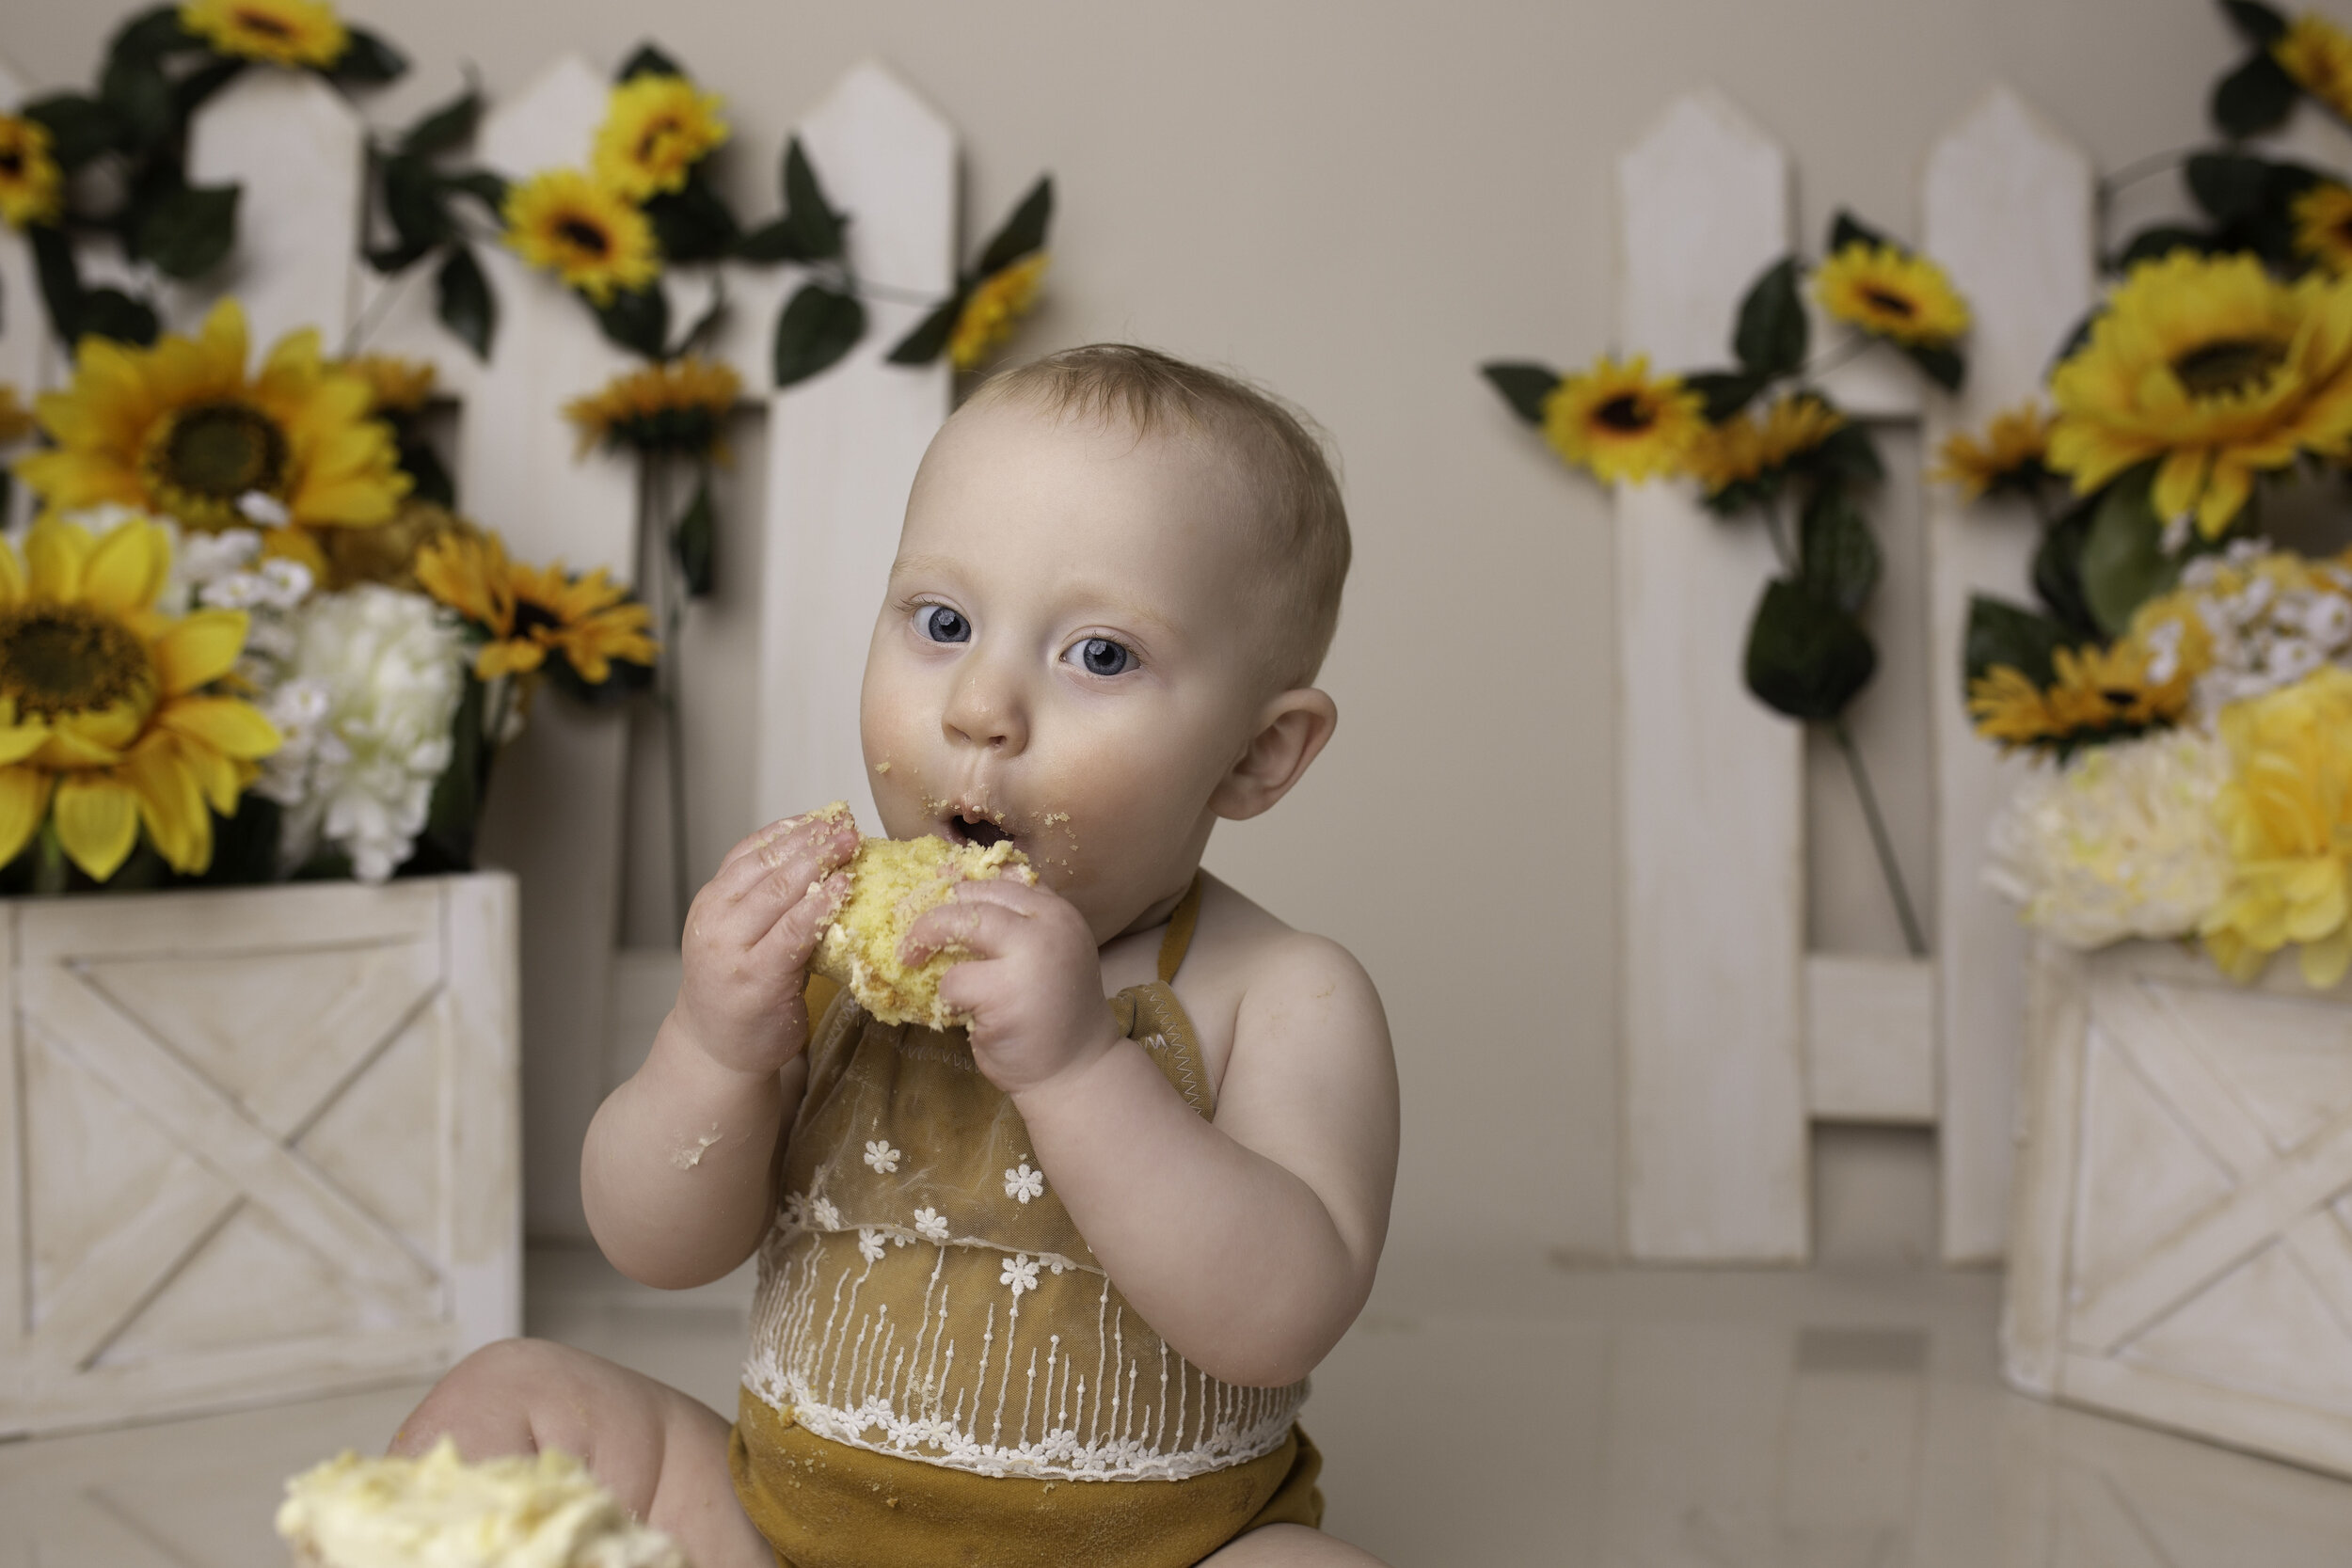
1100	655
943	625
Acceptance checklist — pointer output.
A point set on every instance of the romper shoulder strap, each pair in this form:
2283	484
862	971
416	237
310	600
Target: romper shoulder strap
1179	937
1153	1018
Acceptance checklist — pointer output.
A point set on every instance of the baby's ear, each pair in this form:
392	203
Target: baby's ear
1292	729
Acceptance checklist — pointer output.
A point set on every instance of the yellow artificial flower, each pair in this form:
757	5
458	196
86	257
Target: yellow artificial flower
1891	295
994	309
2013	451
2323	226
586	233
530	611
656	128
281	32
386	554
183	430
2318	55
105	724
2094	694
16	420
2286	814
395	385
1741	449
1621	424
31	185
2213	366
679	406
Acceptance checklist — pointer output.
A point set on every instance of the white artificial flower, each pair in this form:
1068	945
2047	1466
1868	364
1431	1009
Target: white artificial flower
388	669
1024	1183
1020	1273
879	1155
930	1225
870	1244
2119	842
825	1214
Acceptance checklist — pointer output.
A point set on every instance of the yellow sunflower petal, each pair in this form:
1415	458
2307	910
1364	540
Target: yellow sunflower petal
98	822
226	725
200	649
18	741
23	802
53	554
170	801
126	570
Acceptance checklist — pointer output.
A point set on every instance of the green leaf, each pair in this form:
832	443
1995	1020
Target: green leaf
636	319
624	682
2001	633
648	61
693	542
928	340
1724	393
447	843
2227	185
139	93
79	128
487	188
189	92
151	35
1850	455
816	228
2153	245
1839	554
462	298
441	130
1939	362
2124	563
1847	230
1023	233
1806	658
412	200
2256	97
112	313
817	326
772	242
2057	569
367	59
2257	22
1772	336
692	223
60	277
191	231
429	478
1524	385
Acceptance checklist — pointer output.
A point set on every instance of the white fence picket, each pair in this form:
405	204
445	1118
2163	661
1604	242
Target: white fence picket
1715	1163
2008	205
843	448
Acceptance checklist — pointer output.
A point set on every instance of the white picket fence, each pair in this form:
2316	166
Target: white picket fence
842	450
1737	1038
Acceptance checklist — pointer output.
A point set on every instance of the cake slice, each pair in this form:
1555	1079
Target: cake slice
893	883
528	1510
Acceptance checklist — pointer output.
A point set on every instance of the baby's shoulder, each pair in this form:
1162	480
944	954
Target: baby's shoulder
1250	976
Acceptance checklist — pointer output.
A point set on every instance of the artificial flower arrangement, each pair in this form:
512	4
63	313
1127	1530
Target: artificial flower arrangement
2184	684
235	644
1762	439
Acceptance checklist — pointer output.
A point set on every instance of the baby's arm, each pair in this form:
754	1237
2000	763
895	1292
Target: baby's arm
677	1172
1250	1243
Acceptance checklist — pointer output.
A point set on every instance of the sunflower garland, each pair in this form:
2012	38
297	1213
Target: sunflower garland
397	388
988	318
2317	55
2094	695
588	234
32	185
275	32
1747	456
1891	294
526	613
2013	456
656	127
679	407
1620	424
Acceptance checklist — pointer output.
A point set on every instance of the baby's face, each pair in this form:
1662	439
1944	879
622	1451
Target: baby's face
1063	658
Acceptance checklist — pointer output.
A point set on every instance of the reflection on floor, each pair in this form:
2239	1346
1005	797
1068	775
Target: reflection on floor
1475	1416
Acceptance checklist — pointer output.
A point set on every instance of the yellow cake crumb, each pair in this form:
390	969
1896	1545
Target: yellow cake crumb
894	882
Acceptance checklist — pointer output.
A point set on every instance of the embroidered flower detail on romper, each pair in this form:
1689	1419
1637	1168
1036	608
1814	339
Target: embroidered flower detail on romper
1020	1273
1024	1183
883	1158
870	1244
930	1225
826	1216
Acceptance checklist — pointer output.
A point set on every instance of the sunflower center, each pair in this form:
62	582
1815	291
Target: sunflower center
1626	413
267	26
1890	303
220	451
583	235
11	162
532	618
64	658
2227	365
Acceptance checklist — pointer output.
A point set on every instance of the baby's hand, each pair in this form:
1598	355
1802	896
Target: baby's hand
748	938
1032	984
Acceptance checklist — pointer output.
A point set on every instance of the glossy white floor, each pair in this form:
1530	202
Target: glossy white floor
1473	1417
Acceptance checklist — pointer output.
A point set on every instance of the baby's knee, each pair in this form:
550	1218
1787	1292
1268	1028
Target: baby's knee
494	1401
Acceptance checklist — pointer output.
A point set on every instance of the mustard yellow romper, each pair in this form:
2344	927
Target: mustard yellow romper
941	1372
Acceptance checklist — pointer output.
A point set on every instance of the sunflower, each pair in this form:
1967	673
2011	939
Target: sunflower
656	128
31	183
2215	366
1620	424
2094	694
396	387
1891	294
993	308
105	723
180	429
530	611
2323	226
1742	450
2318	55
2286	814
2012	455
16	420
386	554
586	233
681	406
281	32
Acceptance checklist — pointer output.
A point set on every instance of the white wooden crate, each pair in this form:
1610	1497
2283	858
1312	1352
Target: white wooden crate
255	1144
2181	1247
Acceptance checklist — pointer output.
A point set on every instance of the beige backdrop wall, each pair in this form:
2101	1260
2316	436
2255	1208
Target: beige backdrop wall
1357	203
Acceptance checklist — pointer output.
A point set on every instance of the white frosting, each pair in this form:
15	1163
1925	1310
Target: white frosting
542	1511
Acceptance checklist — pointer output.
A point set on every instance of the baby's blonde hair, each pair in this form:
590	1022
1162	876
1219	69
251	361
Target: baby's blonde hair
1301	531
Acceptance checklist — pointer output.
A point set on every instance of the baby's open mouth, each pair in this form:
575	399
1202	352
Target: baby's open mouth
977	831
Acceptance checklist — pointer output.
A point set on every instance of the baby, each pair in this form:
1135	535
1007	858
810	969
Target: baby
1050	1294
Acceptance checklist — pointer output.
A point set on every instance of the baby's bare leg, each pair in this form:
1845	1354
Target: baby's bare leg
1290	1547
663	1454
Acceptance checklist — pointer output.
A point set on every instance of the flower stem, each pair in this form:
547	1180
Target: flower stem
1914	938
49	868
